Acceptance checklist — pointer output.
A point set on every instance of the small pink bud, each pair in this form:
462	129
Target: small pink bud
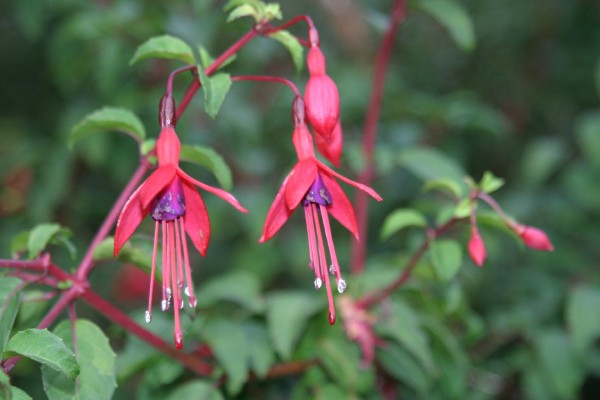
534	238
477	250
321	96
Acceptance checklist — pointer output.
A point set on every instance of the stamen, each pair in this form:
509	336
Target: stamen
332	269
323	264
318	283
178	337
164	304
312	242
189	289
179	258
330	245
148	315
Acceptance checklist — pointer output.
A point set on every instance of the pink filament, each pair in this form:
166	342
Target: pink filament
332	254
323	263
153	270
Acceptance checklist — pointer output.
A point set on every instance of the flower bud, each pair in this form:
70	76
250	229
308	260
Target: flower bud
321	96
477	250
166	111
534	238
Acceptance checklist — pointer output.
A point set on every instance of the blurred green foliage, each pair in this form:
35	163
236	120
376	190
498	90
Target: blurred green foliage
522	102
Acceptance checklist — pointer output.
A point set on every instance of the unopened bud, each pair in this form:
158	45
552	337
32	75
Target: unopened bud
477	250
166	111
534	238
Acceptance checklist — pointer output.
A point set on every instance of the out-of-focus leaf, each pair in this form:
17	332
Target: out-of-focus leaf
129	254
108	119
541	158
490	183
449	185
583	304
404	326
244	10
429	164
446	258
587	131
6	391
215	89
165	46
261	352
239	287
19	243
341	360
562	372
162	371
9	306
453	17
19	394
196	390
230	348
293	45
96	380
209	159
398	363
287	315
400	219
463	209
46	348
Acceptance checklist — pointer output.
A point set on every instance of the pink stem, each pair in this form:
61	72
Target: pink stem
276	79
370	133
87	264
117	316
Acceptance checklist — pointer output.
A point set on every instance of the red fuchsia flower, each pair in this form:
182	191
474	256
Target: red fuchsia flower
313	184
321	96
533	237
331	148
477	250
171	199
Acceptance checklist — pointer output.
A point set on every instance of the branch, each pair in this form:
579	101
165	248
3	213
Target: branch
370	134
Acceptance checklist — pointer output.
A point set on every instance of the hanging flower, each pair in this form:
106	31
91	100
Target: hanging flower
533	237
313	185
477	250
321	96
171	199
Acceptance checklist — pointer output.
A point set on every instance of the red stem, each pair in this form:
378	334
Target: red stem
370	134
87	264
376	297
117	316
275	79
195	85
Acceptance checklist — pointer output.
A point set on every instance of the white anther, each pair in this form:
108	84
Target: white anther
193	302
187	291
332	269
148	316
164	305
318	283
341	285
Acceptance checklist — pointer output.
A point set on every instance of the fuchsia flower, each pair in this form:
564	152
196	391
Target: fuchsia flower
321	96
533	237
177	208
477	250
313	184
331	148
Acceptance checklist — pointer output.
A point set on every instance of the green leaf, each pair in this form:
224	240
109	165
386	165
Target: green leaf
108	119
215	88
165	46
261	353
47	348
96	380
463	209
6	391
490	183
587	131
449	185
446	258
404	326
39	237
9	306
241	287
147	146
19	394
453	17
129	254
196	390
399	364
400	219
287	315
583	303
562	373
209	159
341	360
19	243
245	10
293	45
272	11
231	350
429	164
